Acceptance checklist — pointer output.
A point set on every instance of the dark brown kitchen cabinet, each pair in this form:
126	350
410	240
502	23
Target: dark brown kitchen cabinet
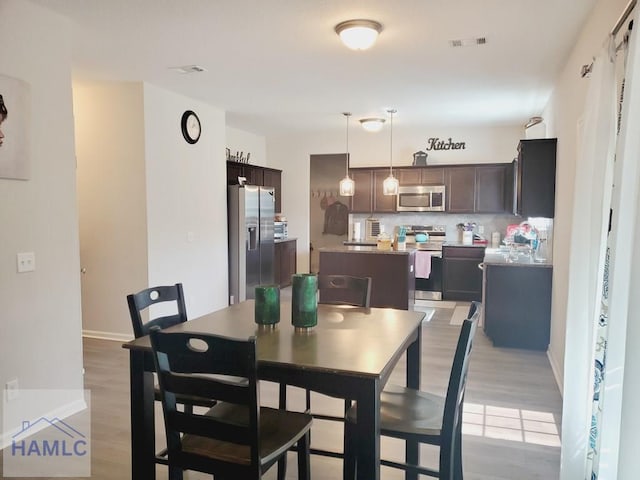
517	305
362	200
535	172
273	178
491	188
382	203
420	175
284	262
461	276
256	175
460	184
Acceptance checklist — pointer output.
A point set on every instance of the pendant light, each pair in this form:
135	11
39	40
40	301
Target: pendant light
347	185
390	185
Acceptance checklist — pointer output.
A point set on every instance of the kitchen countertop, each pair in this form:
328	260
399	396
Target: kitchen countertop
365	249
460	244
496	256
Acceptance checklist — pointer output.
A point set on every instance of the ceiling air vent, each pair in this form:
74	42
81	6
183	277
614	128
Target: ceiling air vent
468	42
188	69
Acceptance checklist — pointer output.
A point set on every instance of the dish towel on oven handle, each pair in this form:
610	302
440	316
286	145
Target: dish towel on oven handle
423	264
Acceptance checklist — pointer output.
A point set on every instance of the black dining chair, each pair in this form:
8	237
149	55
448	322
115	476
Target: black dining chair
236	438
335	290
171	296
344	290
420	417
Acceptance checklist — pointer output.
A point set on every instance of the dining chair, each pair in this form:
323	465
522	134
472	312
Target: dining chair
420	417
172	298
335	290
236	438
344	290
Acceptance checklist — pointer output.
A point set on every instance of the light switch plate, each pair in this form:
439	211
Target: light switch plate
26	262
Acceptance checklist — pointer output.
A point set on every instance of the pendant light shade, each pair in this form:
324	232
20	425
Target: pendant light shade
358	34
390	184
347	185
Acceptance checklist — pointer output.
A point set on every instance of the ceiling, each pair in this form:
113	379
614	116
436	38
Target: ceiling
277	67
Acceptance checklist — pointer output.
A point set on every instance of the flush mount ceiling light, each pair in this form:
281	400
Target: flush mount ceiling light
358	34
372	124
347	185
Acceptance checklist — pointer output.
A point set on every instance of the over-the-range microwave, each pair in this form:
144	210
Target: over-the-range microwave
421	198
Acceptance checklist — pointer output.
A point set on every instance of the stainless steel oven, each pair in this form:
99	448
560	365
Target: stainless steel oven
429	287
421	198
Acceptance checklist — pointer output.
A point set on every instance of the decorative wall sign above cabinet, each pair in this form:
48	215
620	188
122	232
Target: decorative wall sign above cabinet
434	143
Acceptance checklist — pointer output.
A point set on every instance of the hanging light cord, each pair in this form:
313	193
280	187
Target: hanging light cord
391	112
347	114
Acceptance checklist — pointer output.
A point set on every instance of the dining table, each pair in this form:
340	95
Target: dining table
349	354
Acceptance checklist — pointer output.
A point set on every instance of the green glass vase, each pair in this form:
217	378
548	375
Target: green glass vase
304	300
267	304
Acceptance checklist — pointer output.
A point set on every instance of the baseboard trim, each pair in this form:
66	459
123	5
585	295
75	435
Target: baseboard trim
62	412
116	337
555	368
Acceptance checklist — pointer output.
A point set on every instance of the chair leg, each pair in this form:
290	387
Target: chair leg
457	454
412	457
304	461
282	403
175	473
349	461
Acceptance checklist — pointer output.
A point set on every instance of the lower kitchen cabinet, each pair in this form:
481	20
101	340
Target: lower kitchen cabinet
461	277
517	305
284	264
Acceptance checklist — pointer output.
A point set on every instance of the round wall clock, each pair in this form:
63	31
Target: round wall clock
190	125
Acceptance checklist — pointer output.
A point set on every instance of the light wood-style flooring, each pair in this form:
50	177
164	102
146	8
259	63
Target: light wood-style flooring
512	415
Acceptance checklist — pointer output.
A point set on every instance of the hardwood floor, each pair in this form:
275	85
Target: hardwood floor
512	411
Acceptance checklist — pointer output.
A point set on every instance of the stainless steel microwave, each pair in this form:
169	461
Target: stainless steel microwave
421	198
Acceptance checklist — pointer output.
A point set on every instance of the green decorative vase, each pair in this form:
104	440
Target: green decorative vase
304	300
267	304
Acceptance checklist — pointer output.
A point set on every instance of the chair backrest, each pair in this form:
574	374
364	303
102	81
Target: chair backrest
455	391
472	308
208	366
344	290
140	301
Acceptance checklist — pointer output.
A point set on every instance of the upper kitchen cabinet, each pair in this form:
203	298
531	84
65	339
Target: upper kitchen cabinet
362	199
494	188
535	171
368	196
420	175
273	178
460	184
382	203
256	175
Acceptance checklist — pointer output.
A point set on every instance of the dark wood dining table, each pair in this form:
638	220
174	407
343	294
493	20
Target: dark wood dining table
349	354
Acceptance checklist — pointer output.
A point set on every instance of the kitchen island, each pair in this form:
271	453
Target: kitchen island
392	272
517	300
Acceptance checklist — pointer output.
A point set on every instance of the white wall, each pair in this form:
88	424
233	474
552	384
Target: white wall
249	143
153	207
40	316
110	149
186	200
291	154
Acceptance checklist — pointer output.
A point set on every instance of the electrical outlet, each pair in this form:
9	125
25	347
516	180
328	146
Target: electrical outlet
12	389
480	229
26	262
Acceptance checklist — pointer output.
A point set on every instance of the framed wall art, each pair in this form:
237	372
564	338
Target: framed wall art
15	110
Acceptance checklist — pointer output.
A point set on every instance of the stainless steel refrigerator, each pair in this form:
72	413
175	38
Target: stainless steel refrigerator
251	247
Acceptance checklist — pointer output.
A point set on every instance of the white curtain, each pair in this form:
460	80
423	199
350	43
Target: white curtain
592	195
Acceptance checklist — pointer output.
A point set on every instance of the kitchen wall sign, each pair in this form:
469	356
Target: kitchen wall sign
434	143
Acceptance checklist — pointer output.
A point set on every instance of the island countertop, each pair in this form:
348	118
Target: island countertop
501	257
365	249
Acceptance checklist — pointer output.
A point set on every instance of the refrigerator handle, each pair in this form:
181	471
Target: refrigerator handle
252	237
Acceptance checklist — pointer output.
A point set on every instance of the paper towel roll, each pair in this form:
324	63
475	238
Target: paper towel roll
495	239
356	232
